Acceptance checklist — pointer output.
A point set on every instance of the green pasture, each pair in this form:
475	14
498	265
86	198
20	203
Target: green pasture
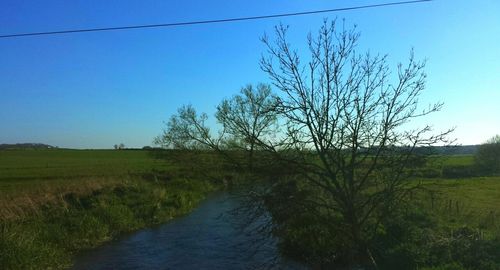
28	169
46	194
55	203
54	163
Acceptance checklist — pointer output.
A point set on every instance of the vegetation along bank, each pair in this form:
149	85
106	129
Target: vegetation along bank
54	203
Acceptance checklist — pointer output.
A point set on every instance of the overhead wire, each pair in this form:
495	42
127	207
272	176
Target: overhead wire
261	17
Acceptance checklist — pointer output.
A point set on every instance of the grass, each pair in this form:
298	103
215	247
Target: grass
31	178
457	160
478	194
54	203
17	166
465	202
50	238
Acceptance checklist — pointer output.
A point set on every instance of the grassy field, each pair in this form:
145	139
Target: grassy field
455	160
30	178
480	194
25	165
465	202
54	203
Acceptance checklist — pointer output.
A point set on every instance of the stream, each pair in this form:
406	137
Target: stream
207	238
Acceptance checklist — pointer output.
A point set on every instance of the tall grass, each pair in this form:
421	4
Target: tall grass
59	229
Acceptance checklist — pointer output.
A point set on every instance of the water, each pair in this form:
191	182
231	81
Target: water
207	238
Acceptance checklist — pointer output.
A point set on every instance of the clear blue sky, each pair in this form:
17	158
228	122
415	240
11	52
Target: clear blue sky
93	90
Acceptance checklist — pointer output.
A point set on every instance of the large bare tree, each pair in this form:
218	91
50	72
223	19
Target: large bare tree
348	116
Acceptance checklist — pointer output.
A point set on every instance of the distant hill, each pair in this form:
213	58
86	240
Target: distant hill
26	146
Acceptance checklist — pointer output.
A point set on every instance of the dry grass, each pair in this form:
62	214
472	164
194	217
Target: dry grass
28	200
30	179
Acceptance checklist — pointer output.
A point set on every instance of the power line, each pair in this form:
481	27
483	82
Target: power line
209	21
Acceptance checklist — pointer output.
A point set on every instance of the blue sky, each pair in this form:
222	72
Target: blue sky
93	90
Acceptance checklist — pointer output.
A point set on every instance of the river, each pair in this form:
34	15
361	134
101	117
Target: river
207	238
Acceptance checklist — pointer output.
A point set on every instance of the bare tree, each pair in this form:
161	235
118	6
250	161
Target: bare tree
246	121
348	120
188	130
249	118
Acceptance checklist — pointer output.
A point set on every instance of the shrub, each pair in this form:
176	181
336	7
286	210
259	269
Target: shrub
487	158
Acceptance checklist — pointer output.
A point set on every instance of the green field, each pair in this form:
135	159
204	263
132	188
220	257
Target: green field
49	172
54	203
465	202
23	165
30	178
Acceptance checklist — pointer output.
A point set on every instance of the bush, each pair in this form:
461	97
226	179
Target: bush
418	240
487	158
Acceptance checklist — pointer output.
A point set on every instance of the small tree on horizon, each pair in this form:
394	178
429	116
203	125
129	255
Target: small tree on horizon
120	146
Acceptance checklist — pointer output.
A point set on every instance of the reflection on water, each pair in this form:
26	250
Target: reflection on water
208	238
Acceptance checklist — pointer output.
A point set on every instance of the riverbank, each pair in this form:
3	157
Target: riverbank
55	203
51	238
212	236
